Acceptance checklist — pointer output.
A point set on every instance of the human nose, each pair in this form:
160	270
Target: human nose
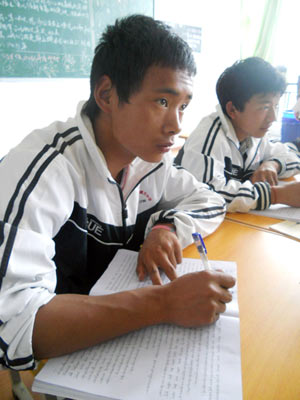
173	122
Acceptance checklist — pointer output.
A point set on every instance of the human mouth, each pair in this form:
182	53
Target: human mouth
164	148
266	128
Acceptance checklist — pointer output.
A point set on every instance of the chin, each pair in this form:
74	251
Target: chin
153	158
261	133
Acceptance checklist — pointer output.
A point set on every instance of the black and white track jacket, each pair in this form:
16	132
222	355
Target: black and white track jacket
63	217
212	154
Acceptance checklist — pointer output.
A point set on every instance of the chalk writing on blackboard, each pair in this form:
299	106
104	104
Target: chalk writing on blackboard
191	34
56	38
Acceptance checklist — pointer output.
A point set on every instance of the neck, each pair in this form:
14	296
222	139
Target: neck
240	134
115	156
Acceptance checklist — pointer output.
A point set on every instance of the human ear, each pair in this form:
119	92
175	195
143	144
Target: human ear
102	93
231	110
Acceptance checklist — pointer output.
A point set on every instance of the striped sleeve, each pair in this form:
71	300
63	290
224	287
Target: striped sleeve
27	270
207	154
190	205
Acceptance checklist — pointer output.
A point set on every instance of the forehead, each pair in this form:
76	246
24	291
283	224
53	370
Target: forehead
263	98
167	80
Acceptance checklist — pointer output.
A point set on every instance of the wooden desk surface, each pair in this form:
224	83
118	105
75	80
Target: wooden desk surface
258	221
269	303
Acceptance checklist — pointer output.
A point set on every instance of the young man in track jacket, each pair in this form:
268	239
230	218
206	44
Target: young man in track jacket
229	149
75	192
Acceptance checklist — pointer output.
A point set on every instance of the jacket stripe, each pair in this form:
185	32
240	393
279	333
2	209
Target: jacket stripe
12	363
213	139
212	161
31	166
206	213
205	168
208	135
253	158
264	198
29	189
26	175
146	176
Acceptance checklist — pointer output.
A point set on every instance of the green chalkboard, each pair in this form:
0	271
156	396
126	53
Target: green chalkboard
56	38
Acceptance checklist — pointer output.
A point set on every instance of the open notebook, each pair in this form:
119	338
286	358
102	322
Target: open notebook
280	211
159	362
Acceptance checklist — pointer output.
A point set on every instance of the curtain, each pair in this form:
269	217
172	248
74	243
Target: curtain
259	23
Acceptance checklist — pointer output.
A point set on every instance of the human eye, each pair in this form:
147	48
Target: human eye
163	102
183	106
264	108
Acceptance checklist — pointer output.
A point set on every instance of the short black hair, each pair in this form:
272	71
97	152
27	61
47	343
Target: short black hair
246	78
128	48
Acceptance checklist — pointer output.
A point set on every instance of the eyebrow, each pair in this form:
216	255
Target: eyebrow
171	91
264	101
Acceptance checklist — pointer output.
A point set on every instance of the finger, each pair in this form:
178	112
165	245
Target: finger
221	308
141	272
154	275
170	270
178	253
225	296
169	261
167	266
225	280
272	179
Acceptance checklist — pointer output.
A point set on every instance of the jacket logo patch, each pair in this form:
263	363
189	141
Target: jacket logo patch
95	227
235	171
232	171
145	196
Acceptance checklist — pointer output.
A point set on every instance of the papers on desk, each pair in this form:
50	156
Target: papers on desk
280	211
159	362
288	228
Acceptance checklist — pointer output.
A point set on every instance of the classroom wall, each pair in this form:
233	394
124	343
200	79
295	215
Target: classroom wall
220	47
27	104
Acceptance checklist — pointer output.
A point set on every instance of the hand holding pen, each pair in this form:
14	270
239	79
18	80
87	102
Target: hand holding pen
201	249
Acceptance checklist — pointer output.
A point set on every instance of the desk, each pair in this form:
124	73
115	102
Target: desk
269	302
257	221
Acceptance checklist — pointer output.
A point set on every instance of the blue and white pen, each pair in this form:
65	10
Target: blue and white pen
201	249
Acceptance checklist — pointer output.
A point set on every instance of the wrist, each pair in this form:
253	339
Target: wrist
273	194
279	194
168	227
154	304
277	166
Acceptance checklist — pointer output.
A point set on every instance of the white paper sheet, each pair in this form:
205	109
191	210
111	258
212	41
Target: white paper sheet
280	211
159	362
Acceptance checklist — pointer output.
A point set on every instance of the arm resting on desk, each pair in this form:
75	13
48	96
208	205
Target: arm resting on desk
288	194
72	322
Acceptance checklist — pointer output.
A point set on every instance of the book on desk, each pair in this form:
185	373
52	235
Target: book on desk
158	362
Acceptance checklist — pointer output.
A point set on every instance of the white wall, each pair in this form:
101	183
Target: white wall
27	104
